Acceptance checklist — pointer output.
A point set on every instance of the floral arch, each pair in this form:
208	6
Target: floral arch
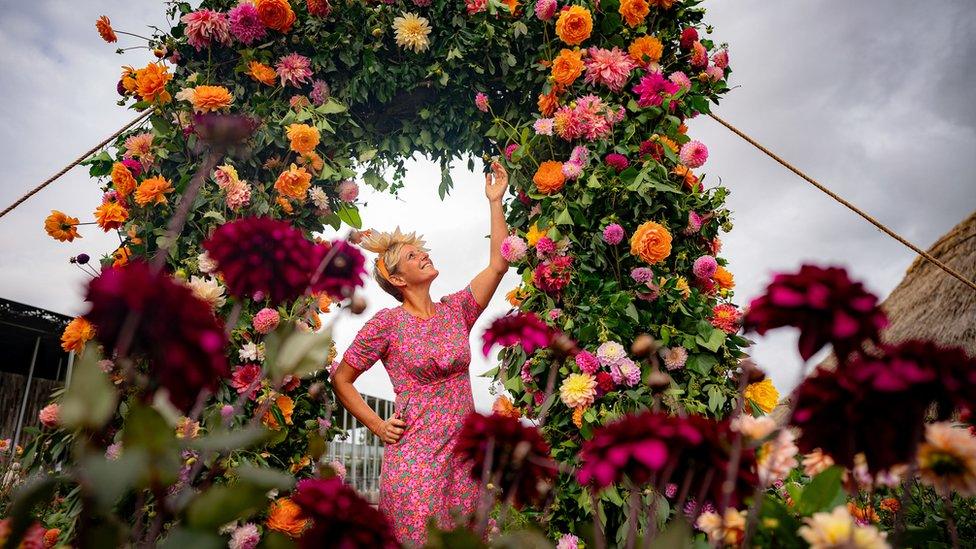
615	234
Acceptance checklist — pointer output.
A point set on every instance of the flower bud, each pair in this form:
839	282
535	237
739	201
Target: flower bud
644	346
357	304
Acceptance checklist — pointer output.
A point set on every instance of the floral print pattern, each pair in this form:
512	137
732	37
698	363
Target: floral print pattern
427	361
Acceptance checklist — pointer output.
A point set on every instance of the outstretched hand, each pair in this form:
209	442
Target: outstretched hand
496	182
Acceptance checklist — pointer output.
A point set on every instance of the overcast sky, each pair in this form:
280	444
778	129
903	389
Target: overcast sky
874	98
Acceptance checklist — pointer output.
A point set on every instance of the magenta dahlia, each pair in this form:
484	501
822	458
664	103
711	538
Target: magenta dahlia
652	89
613	234
553	275
340	517
704	266
693	154
526	329
245	23
617	161
343	271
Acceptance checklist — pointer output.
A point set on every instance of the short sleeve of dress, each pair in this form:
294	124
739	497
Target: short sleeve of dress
371	343
465	303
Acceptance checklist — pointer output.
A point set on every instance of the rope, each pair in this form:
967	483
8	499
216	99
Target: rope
927	256
65	169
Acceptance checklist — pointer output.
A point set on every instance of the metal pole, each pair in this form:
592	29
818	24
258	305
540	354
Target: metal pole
23	403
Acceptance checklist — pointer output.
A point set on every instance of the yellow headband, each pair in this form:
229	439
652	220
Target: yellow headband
381	267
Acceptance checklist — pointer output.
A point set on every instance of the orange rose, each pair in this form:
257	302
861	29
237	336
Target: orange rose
111	215
151	83
211	98
549	177
724	278
285	516
76	333
262	73
574	25
634	11
104	26
646	49
548	103
294	182
153	190
122	179
567	66
651	242
304	138
61	227
276	14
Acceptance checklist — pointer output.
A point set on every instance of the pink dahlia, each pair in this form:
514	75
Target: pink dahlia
642	275
545	247
714	73
245	536
681	79
554	275
481	101
726	317
543	126
348	191
238	195
704	267
625	372
50	415
513	248
721	59
580	155
320	92
613	234
652	88
608	67
591	119
266	320
247	379
572	170
294	69
588	363
568	541
617	161
510	150
694	223
476	6
688	37
674	357
525	329
205	27
545	9
245	23
693	154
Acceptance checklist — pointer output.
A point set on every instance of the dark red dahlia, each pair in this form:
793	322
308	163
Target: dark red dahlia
524	328
688	38
825	304
260	254
617	161
520	461
343	271
340	518
604	382
319	8
553	275
176	331
652	148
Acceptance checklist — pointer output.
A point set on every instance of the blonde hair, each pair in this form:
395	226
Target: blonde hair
387	246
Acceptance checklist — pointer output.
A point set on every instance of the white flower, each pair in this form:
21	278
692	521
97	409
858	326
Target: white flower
186	94
207	289
206	264
778	458
837	529
252	352
756	428
412	32
319	198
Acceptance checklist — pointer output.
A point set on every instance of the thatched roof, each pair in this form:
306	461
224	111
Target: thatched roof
929	303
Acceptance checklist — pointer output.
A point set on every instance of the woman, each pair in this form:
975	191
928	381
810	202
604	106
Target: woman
425	348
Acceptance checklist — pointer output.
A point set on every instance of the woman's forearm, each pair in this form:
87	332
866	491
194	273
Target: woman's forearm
499	231
353	401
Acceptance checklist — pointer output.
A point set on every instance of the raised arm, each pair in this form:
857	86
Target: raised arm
485	283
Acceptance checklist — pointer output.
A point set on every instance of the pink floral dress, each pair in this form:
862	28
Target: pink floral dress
427	361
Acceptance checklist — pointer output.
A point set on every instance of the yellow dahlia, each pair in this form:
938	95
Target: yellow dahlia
763	394
838	529
578	390
411	32
534	234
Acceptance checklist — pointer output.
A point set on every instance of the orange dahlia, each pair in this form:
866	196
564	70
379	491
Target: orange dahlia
689	177
122	179
153	190
567	66
76	333
276	14
110	215
503	406
286	406
286	516
646	49
120	257
61	227
129	79
104	26
262	73
651	242
724	278
151	83
304	138
634	11
211	98
549	177
324	302
663	4
574	25
516	296
294	182
548	103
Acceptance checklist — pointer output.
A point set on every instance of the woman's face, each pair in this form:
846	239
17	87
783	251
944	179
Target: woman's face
415	266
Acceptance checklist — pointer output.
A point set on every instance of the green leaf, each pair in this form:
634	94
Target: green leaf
289	351
181	538
447	182
331	107
91	398
146	428
222	504
240	439
715	340
373	179
367	155
349	214
822	493
701	363
265	478
109	480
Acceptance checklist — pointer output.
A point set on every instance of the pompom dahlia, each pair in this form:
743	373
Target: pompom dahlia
613	234
704	266
266	320
587	363
617	161
578	390
693	154
513	248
